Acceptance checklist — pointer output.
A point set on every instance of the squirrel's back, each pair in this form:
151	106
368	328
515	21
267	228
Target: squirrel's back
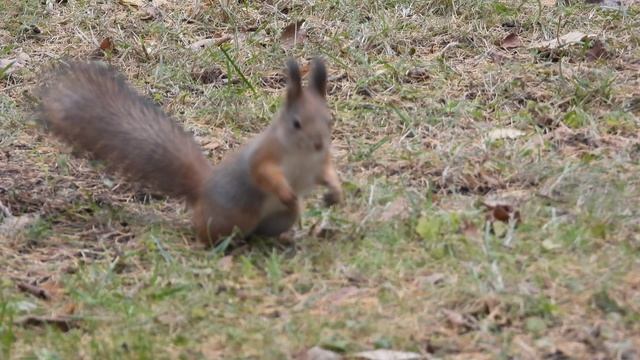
93	109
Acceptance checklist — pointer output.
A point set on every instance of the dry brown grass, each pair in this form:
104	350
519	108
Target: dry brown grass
410	261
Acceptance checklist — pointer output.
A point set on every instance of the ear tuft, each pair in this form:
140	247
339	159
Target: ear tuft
318	81
294	81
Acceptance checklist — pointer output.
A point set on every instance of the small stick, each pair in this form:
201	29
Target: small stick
64	323
34	290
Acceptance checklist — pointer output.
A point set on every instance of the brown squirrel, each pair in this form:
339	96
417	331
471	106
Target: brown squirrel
254	190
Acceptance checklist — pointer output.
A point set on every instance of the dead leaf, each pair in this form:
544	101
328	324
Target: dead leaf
274	80
497	56
501	212
504	133
213	347
573	37
10	65
596	51
171	319
611	4
470	356
341	295
318	353
293	35
212	145
548	2
511	41
10	226
322	229
431	280
384	354
64	323
150	12
573	349
211	75
107	47
418	75
205	43
226	263
456	319
133	3
470	230
69	308
398	208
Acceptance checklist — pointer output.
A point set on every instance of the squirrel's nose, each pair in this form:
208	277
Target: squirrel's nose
317	145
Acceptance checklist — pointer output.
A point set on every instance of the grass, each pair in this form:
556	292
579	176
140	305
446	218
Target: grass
410	261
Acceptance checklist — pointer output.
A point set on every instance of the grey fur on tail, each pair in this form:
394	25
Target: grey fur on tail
92	108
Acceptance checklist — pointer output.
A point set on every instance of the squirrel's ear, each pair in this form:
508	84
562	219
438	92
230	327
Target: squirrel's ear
318	80
294	81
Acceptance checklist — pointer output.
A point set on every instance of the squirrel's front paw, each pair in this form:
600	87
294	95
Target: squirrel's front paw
332	198
288	197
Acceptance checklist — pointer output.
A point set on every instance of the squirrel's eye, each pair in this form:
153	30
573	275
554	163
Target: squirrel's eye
296	124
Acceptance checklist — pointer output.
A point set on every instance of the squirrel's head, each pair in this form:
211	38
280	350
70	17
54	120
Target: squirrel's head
305	120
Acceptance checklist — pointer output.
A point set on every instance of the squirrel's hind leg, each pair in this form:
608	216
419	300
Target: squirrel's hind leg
278	222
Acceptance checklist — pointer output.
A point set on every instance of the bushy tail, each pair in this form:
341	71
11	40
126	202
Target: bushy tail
93	109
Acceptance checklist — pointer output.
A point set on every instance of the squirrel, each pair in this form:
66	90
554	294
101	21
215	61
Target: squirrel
254	190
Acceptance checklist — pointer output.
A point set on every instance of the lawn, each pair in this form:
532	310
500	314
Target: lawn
491	165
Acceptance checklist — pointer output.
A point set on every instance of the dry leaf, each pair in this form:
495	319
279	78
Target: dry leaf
398	208
470	230
107	45
293	34
226	263
431	280
417	75
471	356
150	12
212	145
213	347
611	4
511	41
548	2
211	75
134	3
318	353
573	37
497	57
384	354
504	133
343	294
459	322
205	43
10	226
455	318
596	51
501	212
8	66
274	80
69	308
573	349
171	319
64	323
322	229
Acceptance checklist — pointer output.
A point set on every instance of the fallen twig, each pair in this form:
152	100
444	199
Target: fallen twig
34	290
64	323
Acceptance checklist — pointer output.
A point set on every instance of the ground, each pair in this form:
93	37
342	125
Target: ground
492	184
